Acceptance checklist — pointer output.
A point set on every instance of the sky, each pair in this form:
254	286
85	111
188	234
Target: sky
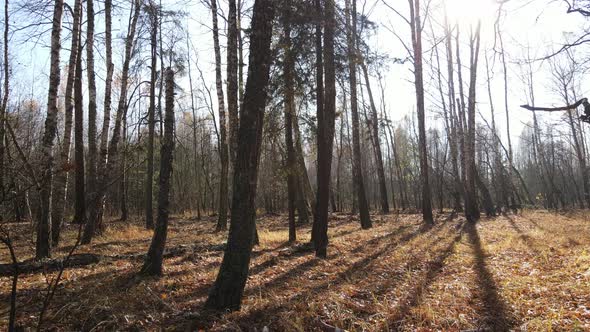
538	26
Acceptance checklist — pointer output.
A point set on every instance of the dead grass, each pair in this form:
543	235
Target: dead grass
527	272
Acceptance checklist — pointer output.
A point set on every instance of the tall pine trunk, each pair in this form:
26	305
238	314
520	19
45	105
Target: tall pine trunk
227	291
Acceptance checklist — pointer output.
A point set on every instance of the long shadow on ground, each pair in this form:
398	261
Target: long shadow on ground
495	315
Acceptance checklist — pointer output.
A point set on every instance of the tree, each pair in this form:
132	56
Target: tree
288	69
153	261
376	143
326	114
471	206
149	212
416	30
79	174
232	78
61	178
92	165
223	148
228	288
43	245
356	164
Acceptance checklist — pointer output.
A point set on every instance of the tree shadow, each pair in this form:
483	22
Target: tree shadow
262	315
524	237
433	268
494	315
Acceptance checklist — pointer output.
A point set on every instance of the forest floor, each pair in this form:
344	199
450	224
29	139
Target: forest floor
514	272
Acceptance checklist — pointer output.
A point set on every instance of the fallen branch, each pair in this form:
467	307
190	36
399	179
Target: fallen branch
31	266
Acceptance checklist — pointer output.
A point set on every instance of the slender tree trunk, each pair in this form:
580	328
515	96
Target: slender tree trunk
357	158
227	291
377	144
471	206
149	211
416	28
3	107
232	79
105	178
194	127
305	196
61	177
223	148
43	244
153	261
79	169
291	164
92	168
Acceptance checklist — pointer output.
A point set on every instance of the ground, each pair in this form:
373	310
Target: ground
514	272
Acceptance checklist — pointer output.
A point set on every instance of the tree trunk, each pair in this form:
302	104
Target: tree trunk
416	28
232	79
149	211
105	178
326	98
291	164
471	206
223	153
227	291
79	174
153	261
92	187
61	177
357	163
377	144
3	106
43	244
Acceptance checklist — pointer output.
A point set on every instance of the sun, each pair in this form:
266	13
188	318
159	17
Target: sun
469	12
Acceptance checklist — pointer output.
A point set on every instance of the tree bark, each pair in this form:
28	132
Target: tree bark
43	244
149	212
471	206
288	71
325	60
104	180
80	178
232	79
92	168
357	158
223	148
416	28
61	177
153	261
377	144
227	291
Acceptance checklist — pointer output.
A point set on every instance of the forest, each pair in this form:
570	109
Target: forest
294	165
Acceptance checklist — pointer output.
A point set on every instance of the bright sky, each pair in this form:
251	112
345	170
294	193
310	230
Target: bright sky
538	24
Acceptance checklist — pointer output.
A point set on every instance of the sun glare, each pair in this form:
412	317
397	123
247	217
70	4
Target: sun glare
468	12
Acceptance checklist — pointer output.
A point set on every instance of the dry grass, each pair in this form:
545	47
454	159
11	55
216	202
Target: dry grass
527	272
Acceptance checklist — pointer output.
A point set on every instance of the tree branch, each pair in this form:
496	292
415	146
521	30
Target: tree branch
555	109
